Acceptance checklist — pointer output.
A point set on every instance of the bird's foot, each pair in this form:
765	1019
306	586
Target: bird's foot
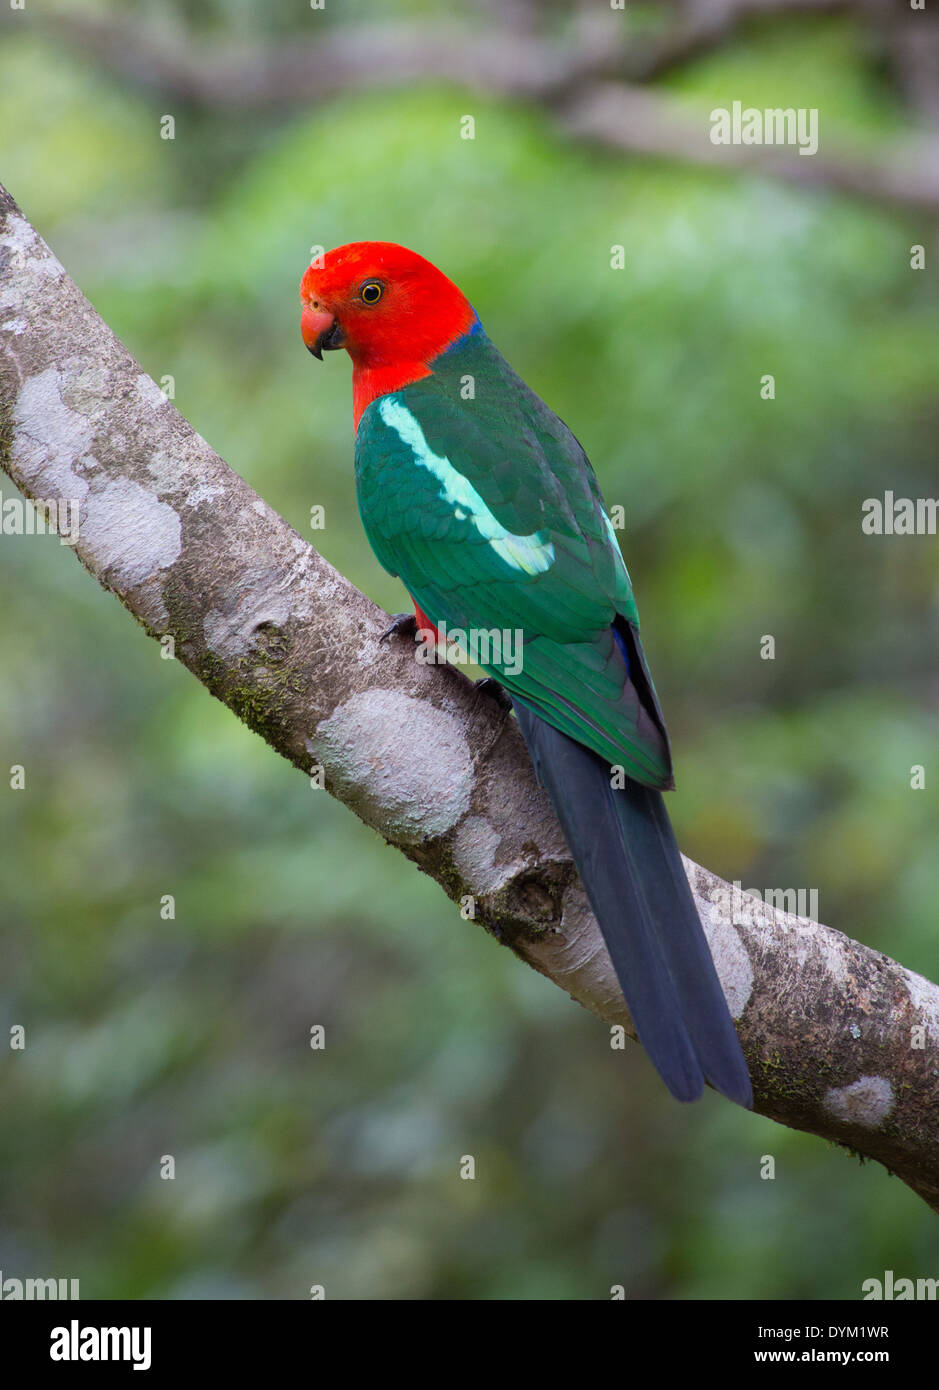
488	686
401	625
497	693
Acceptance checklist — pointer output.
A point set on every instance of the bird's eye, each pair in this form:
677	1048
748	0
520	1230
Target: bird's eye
371	292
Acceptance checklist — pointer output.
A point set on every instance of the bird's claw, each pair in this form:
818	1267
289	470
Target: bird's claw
487	685
401	625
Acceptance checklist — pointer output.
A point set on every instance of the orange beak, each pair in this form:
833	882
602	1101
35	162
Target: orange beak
319	329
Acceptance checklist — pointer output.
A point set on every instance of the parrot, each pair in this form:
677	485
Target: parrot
482	502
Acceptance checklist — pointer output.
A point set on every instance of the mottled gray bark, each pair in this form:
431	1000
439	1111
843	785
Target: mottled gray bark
831	1029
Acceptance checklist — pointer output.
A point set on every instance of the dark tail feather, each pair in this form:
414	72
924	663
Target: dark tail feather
625	851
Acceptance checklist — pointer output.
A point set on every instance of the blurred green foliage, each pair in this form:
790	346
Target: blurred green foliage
190	1037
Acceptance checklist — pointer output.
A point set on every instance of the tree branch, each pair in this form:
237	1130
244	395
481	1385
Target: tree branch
701	26
416	751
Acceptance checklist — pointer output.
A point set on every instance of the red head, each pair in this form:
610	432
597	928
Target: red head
390	309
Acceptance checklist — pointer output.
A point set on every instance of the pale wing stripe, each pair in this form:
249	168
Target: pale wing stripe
532	554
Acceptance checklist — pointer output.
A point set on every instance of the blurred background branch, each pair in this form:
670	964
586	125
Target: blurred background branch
592	77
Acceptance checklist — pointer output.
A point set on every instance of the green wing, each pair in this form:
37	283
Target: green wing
486	506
